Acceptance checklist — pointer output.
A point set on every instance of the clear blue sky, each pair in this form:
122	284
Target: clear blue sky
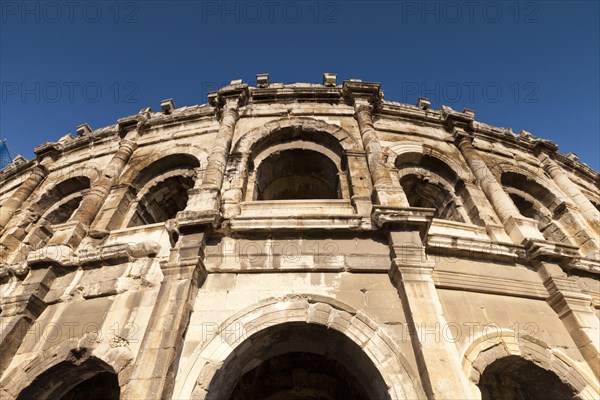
525	65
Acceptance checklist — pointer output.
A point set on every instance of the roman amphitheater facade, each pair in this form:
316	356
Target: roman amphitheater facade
301	241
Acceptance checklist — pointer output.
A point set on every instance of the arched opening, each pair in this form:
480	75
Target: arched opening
298	376
158	192
162	201
297	174
513	377
431	183
537	202
63	212
56	206
103	386
63	199
91	379
420	192
294	361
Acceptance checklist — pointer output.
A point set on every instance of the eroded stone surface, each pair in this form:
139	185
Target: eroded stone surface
299	241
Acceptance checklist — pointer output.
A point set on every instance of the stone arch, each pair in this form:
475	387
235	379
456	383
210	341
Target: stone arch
53	206
497	344
53	195
425	188
537	198
414	151
144	168
58	369
155	189
331	142
432	179
209	358
297	173
533	175
538	188
249	139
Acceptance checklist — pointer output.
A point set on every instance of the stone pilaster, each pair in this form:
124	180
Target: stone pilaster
206	200
20	311
412	273
365	96
238	174
585	206
92	202
361	186
518	227
573	307
480	211
153	374
17	199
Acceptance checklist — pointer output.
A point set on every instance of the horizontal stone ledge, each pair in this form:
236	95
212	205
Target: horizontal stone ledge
472	249
490	285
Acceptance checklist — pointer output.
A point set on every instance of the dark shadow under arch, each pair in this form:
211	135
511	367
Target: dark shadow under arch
162	166
91	379
163	201
296	361
297	174
513	377
420	192
294	133
61	191
533	188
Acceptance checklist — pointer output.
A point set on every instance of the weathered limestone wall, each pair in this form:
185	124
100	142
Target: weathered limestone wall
136	257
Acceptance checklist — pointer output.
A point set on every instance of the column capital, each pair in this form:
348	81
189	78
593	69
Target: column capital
233	96
39	170
357	91
546	147
50	149
129	145
460	135
361	108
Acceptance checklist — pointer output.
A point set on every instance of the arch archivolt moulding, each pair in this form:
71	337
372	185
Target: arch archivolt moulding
76	353
195	376
51	183
247	140
496	344
459	167
133	169
297	144
534	174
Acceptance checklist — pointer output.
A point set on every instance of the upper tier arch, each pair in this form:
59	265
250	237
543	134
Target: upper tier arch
252	140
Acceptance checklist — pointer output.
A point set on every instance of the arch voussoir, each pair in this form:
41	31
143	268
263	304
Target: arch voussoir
357	327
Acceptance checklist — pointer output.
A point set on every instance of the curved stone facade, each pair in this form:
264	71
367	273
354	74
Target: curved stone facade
301	241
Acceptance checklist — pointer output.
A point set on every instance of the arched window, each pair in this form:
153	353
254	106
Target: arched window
55	207
429	182
421	192
59	203
160	190
293	164
513	377
93	379
64	209
297	174
162	201
537	202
